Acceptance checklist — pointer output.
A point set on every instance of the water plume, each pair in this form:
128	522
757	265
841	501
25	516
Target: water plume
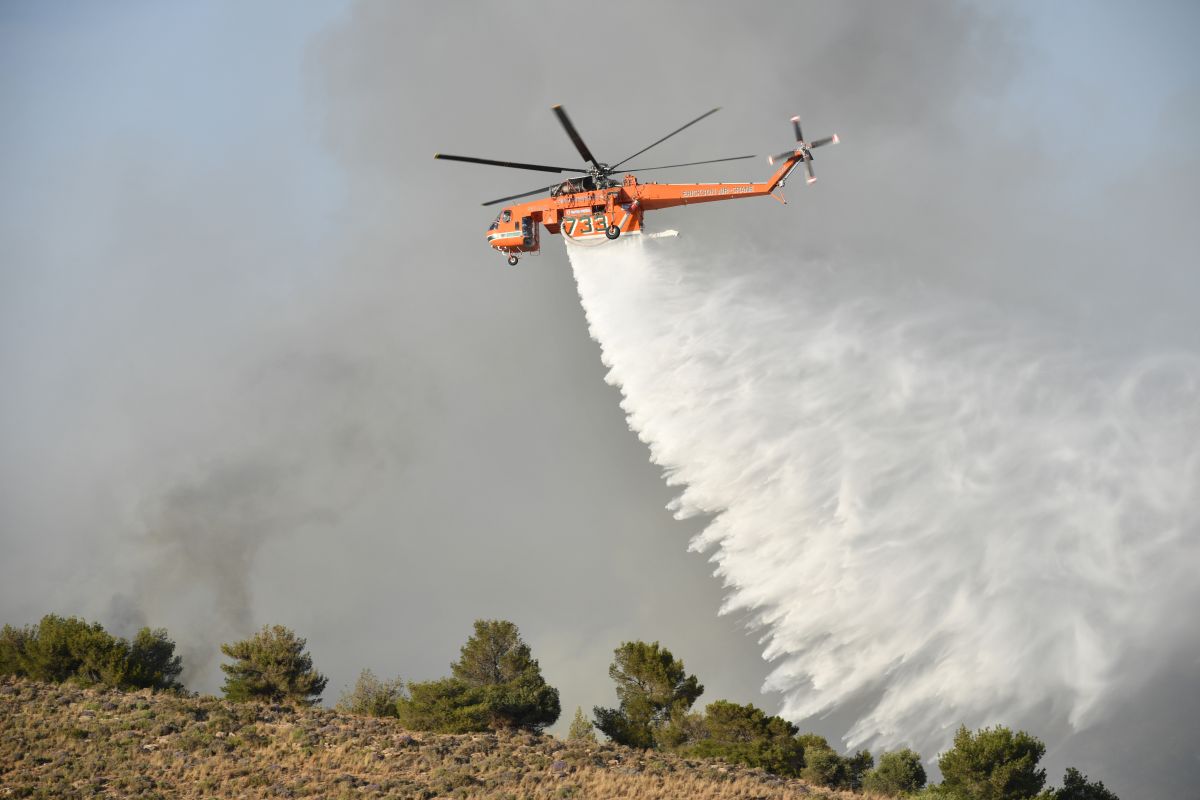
935	513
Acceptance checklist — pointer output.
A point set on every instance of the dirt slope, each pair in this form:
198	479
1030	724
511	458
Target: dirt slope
62	742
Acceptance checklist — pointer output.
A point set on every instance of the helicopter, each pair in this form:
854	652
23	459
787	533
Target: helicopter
593	204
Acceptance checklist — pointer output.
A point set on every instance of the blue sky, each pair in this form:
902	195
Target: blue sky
193	81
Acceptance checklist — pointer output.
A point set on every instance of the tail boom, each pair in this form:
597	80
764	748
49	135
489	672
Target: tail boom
667	195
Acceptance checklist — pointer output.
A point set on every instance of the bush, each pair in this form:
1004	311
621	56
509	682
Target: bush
372	697
824	767
1076	786
652	687
741	734
62	649
857	767
13	642
497	661
271	666
496	684
444	706
898	773
993	764
152	663
582	729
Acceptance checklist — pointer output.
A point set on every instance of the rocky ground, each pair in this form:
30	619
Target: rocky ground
64	742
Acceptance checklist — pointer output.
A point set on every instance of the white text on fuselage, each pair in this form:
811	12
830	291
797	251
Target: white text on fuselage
722	190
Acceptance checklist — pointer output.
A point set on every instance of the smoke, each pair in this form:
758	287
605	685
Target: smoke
936	513
259	366
203	526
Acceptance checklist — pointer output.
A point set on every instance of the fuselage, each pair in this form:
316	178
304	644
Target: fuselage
584	208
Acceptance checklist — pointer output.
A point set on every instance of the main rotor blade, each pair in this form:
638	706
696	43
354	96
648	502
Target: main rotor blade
513	164
575	137
518	196
689	164
796	125
822	142
812	177
663	139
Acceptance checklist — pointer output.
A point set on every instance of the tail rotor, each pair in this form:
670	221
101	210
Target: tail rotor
803	149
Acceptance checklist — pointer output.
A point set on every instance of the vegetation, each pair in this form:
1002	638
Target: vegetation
741	734
60	649
372	697
581	731
1076	786
824	767
496	684
445	706
64	742
495	689
496	661
993	764
653	689
272	666
898	773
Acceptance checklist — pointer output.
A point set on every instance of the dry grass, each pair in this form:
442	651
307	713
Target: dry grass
63	742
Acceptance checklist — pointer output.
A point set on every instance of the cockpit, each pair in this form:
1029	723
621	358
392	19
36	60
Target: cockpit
503	216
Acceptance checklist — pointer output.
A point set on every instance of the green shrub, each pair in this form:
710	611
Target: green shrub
825	767
499	664
444	706
271	666
496	684
152	663
653	688
582	729
993	764
60	649
898	773
741	734
372	697
1076	786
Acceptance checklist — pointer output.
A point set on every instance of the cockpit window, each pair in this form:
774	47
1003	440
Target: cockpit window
506	215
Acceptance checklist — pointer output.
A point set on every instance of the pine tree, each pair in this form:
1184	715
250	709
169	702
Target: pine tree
61	649
151	662
900	772
652	687
272	666
496	684
581	731
444	706
1076	786
993	764
496	661
741	734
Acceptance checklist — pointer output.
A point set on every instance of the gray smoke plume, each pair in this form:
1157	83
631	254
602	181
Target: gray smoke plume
252	341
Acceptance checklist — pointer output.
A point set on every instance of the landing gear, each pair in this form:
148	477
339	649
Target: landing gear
512	261
612	231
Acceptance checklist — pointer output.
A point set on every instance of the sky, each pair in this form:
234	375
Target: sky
261	366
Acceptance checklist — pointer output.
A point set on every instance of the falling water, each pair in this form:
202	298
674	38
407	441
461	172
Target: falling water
934	514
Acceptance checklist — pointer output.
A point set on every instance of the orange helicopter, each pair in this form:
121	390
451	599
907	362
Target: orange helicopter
593	204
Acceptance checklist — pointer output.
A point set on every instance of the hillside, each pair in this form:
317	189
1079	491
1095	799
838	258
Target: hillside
58	741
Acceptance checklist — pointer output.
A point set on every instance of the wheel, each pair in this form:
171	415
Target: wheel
512	261
612	231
